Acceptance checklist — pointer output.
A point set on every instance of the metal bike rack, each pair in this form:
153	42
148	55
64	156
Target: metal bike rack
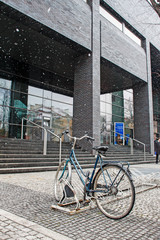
73	204
71	210
63	208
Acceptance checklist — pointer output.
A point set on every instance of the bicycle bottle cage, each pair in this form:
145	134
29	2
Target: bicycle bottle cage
101	149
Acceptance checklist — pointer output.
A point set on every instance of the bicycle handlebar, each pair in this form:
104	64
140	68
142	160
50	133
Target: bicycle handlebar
75	138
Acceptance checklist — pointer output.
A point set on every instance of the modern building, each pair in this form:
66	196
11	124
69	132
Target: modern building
82	65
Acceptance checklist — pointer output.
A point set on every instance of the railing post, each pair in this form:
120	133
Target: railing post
60	150
144	152
22	129
131	146
45	142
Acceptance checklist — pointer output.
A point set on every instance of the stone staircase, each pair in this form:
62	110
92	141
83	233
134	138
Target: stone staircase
18	156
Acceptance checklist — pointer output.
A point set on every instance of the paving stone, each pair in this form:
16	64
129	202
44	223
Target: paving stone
34	204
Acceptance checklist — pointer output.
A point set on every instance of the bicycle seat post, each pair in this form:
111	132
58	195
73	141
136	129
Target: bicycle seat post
74	143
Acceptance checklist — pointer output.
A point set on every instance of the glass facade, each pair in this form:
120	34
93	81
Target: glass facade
43	107
116	107
55	111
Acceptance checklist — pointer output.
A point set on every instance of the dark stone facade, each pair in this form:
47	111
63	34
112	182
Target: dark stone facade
90	54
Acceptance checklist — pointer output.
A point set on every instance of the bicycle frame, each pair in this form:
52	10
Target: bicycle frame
73	159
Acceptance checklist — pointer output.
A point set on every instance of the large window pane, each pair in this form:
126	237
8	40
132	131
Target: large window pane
35	91
116	107
40	106
5	97
34	103
61	117
47	106
132	36
62	109
5	83
103	107
47	94
106	127
4	119
62	98
110	18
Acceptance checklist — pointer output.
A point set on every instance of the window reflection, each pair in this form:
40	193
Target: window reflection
103	107
116	107
47	94
5	83
5	97
34	103
4	115
47	107
43	107
62	109
62	98
35	91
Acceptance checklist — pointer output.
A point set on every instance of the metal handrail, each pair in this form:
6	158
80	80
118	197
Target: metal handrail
38	126
144	145
60	144
45	137
133	139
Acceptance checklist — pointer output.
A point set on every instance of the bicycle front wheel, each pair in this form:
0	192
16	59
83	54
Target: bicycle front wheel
63	177
114	191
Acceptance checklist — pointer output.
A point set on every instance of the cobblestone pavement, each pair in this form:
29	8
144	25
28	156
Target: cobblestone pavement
14	227
26	213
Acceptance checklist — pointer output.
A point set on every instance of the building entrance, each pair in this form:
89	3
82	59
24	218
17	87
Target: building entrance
117	107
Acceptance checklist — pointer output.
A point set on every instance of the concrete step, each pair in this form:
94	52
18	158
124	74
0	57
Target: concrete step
56	152
79	157
6	157
50	163
40	158
22	155
40	162
18	155
24	141
36	147
52	168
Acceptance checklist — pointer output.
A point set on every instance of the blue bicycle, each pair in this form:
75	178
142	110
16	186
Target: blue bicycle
111	186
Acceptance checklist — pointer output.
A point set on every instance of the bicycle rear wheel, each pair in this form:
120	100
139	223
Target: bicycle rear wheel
63	177
114	191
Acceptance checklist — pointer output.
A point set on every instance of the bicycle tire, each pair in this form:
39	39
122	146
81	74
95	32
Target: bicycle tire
117	199
63	176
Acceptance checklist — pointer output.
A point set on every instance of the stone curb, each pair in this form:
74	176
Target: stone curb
33	226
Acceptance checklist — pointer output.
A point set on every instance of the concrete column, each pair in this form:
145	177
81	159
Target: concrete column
150	95
86	110
143	108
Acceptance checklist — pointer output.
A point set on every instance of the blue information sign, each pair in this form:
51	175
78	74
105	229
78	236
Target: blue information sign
119	132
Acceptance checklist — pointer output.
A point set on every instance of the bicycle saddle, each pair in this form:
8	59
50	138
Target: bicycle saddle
101	149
